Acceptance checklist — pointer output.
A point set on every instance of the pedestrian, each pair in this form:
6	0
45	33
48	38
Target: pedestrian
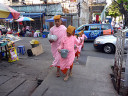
60	31
76	50
68	43
81	44
83	37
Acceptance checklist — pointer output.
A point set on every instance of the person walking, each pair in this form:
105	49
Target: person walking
60	31
83	37
68	43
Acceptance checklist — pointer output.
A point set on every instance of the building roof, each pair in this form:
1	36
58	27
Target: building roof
49	9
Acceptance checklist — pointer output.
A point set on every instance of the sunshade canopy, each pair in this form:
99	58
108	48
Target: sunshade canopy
7	12
24	19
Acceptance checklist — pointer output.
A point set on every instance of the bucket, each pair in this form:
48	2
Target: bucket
2	54
44	36
64	53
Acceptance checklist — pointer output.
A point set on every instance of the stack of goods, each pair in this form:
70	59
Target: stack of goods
34	43
12	52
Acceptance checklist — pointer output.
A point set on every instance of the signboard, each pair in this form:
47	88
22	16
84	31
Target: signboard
72	0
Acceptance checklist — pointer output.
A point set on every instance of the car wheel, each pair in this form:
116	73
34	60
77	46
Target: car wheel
109	48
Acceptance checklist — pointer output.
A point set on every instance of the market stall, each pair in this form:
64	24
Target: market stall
8	51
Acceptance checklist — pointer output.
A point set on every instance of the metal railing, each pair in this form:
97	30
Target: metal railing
119	61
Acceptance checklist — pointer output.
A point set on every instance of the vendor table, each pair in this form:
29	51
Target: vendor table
4	45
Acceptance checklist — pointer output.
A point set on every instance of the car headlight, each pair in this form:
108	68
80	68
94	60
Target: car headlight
97	42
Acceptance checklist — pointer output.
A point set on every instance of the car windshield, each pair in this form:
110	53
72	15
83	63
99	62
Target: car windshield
81	28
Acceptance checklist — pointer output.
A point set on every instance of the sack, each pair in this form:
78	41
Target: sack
29	52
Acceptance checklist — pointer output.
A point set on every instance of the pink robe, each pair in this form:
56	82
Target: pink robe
79	46
83	36
76	45
60	32
68	43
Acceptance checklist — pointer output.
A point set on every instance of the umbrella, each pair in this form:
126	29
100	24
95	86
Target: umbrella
24	19
8	12
52	20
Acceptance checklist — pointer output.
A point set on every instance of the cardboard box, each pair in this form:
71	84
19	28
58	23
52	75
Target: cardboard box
37	50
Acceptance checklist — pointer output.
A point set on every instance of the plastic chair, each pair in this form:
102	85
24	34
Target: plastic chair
44	36
21	49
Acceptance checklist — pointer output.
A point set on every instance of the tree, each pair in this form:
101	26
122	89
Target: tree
113	10
123	8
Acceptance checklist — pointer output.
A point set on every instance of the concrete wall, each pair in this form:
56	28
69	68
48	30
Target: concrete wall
84	13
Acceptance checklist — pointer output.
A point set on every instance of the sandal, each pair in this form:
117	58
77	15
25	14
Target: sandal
57	74
70	74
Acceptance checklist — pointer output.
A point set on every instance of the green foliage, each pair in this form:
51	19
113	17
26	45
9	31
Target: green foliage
113	10
125	3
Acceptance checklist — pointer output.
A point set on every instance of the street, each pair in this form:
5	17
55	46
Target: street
90	51
31	69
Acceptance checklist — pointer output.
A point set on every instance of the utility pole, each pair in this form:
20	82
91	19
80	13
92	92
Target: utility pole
78	7
90	12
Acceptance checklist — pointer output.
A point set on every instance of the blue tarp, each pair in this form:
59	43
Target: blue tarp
52	20
32	15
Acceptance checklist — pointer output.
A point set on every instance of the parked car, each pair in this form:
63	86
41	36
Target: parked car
108	43
92	31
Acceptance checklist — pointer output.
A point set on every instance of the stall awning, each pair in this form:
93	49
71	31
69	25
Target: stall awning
32	15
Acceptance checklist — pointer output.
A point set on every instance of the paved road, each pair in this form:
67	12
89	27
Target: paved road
90	51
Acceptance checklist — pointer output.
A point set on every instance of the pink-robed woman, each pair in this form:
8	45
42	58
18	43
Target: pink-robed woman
60	31
68	43
83	37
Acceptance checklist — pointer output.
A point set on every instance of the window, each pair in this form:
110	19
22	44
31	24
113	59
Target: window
86	28
15	0
95	27
81	28
105	27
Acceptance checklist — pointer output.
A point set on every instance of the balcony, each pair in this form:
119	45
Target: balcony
97	6
97	1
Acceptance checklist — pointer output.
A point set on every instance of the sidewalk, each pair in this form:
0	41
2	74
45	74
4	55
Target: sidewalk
92	79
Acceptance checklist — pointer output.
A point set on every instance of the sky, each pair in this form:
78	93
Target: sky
109	2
